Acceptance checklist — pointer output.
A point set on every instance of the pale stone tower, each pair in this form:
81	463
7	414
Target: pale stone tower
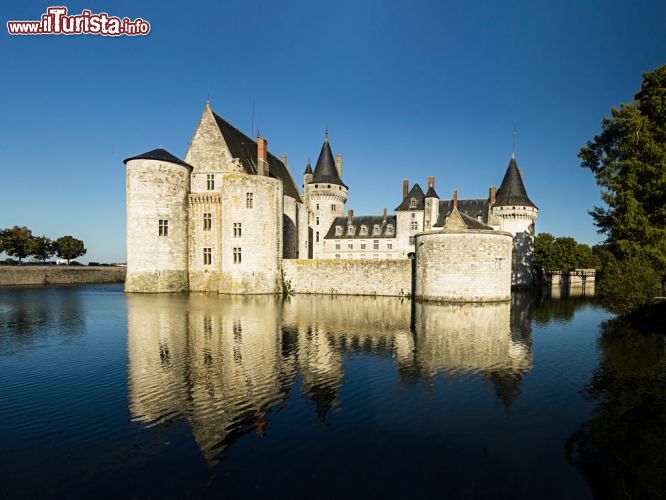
517	214
158	184
431	206
325	196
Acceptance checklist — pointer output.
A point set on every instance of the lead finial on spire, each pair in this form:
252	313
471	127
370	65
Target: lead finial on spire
326	134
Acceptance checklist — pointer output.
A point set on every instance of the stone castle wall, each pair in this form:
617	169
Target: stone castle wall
465	266
60	275
349	277
157	190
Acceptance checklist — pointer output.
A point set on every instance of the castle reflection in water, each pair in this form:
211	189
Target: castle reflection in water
223	363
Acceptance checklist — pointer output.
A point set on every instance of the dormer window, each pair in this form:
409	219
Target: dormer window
376	229
364	229
389	229
412	203
338	230
351	230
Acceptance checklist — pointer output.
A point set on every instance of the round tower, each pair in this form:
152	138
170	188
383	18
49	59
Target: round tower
158	185
517	215
326	196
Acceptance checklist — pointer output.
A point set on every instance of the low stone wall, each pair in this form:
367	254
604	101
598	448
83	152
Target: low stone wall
57	275
349	277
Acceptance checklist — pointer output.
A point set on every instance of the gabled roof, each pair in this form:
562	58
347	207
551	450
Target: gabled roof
458	220
245	149
325	170
472	208
417	193
362	220
161	155
512	191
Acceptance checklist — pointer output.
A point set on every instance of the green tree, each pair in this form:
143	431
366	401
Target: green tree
628	285
68	247
16	241
628	159
42	248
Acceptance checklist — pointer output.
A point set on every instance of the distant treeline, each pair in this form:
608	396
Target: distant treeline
19	242
565	254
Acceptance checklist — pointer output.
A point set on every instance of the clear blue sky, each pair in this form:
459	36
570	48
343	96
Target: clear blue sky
407	90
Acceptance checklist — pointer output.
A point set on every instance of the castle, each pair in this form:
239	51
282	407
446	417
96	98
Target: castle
229	216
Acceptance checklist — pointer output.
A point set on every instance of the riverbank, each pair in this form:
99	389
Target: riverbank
60	275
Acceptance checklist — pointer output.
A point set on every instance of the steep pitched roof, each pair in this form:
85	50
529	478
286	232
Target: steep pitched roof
431	193
245	149
325	170
362	220
512	191
161	155
473	208
308	168
460	220
417	193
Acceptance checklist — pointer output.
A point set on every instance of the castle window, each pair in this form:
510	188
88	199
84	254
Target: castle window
317	237
249	200
337	255
413	216
317	206
389	229
364	230
210	182
389	256
163	227
338	230
413	225
376	229
362	256
237	229
362	246
337	245
350	246
207	258
207	221
237	255
375	244
389	246
317	219
329	186
351	230
412	239
333	207
412	203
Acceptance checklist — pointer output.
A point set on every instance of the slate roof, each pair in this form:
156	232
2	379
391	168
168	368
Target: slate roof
358	221
471	208
417	193
161	155
431	193
472	223
245	149
325	171
512	191
308	168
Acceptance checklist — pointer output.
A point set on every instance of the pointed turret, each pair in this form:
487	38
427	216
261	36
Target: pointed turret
308	168
325	171
512	191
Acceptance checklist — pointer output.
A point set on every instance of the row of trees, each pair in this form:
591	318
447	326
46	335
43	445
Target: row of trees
564	254
19	242
628	160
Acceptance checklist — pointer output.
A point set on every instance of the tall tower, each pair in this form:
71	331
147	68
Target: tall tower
325	196
517	214
158	185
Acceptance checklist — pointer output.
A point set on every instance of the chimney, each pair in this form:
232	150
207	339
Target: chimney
338	165
455	198
350	214
262	156
384	221
431	182
520	172
491	195
405	188
283	159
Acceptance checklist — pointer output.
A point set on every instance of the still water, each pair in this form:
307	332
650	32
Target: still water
104	394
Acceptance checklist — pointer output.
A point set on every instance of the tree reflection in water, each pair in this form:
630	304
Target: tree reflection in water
621	450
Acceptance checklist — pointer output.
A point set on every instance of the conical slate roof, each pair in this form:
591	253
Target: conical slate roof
325	170
512	191
431	193
160	155
308	168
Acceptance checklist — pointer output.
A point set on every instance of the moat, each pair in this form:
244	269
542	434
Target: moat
104	394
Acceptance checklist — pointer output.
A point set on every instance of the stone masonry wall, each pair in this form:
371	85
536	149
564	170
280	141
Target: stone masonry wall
349	277
52	275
